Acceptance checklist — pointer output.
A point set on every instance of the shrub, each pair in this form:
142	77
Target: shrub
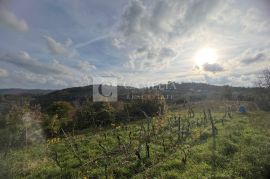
21	127
60	115
151	104
85	116
229	148
104	113
95	114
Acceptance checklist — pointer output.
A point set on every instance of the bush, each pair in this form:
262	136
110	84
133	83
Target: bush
60	115
21	127
263	102
152	105
85	116
95	114
229	148
104	113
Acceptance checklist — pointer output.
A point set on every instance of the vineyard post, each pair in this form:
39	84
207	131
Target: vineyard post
118	141
137	153
204	118
147	149
163	144
129	136
179	128
106	170
214	133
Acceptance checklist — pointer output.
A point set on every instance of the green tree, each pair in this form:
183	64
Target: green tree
85	116
60	115
22	126
104	113
151	104
95	114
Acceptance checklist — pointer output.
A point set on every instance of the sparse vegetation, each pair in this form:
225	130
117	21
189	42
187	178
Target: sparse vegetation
175	144
142	138
135	89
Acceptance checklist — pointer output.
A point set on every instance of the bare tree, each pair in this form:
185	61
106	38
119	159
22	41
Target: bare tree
263	92
264	79
227	92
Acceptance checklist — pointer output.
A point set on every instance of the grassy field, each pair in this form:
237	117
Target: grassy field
172	146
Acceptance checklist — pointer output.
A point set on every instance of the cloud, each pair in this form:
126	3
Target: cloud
254	56
30	72
3	72
155	40
252	21
9	19
25	61
226	14
215	67
147	58
257	58
57	48
157	26
84	44
86	66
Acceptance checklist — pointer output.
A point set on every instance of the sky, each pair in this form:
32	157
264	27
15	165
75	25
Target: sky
55	44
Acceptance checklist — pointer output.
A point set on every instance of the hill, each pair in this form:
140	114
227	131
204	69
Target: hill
173	92
18	91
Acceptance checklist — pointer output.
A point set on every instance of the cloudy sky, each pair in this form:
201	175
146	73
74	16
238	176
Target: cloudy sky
51	44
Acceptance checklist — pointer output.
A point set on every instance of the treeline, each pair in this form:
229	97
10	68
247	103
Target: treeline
25	124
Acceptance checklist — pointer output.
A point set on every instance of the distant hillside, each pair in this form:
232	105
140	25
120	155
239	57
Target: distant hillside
78	94
13	97
173	92
18	91
200	91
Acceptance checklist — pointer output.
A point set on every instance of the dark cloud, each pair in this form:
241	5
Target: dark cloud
212	67
260	57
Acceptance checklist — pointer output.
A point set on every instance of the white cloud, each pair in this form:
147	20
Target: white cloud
252	21
147	58
86	66
30	70
155	40
157	26
3	72
10	19
57	48
226	14
25	61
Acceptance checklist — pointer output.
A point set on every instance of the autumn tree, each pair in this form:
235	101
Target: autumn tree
60	115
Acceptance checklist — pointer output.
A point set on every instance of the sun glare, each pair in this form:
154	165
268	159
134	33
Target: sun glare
206	55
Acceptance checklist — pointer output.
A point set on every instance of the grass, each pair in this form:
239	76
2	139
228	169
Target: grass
242	151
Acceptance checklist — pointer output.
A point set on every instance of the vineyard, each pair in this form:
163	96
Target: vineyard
135	89
188	143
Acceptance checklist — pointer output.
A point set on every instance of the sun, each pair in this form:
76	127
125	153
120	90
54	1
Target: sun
206	55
